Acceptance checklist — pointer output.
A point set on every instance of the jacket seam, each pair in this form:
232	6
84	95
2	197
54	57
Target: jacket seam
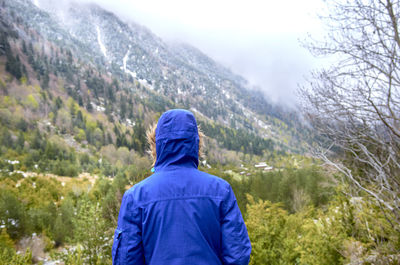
181	198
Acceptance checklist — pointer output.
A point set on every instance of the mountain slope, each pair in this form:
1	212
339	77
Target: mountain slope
87	74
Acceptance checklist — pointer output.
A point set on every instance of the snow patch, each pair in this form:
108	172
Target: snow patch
143	82
225	93
130	123
12	162
98	108
102	47
146	84
124	60
18	172
261	124
36	3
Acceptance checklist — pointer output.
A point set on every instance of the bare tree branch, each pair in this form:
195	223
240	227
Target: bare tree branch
355	103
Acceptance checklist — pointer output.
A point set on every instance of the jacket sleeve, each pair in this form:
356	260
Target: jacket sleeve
127	247
236	247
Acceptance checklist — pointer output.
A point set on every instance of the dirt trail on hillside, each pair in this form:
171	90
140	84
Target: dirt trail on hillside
82	176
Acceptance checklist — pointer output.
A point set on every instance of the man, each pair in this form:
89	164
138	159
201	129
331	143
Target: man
180	215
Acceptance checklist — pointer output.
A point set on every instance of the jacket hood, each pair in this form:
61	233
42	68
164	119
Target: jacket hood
177	140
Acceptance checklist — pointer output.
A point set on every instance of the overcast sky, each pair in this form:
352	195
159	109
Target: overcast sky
258	39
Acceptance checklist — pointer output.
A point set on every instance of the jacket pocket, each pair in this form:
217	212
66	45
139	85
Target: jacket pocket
116	246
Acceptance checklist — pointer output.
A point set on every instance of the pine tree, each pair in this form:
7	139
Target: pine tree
92	232
13	66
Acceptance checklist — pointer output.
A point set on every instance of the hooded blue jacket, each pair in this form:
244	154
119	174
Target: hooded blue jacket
180	215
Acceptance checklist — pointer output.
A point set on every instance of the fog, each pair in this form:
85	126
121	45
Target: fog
258	39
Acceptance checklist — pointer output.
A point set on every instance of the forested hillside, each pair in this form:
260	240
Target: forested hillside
76	100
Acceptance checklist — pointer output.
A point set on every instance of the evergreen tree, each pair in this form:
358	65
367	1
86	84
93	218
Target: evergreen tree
13	66
89	106
92	232
24	49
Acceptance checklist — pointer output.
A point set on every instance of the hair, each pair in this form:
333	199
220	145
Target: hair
151	140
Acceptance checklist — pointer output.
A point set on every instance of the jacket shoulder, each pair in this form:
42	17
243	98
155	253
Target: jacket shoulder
212	178
178	184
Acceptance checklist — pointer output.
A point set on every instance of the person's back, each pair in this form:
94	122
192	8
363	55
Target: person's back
180	215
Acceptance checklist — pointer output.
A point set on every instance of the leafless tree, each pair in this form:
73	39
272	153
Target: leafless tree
355	101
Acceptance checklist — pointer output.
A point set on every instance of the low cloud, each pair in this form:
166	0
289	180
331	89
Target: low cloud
255	39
